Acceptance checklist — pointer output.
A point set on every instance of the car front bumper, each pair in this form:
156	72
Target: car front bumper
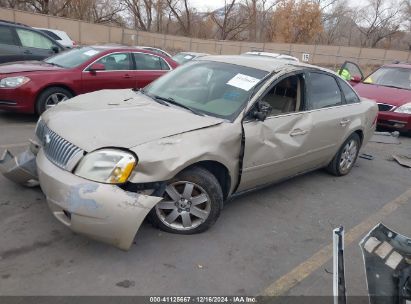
17	100
103	212
395	121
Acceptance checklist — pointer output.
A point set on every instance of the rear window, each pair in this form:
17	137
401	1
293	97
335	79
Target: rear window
350	96
51	34
6	36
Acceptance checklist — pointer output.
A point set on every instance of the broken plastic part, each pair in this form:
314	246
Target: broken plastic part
21	169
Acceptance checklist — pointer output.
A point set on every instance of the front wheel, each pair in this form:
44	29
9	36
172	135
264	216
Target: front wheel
345	158
192	203
51	97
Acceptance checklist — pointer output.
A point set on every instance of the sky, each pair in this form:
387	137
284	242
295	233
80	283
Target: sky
204	5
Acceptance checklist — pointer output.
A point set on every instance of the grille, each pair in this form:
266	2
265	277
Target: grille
384	107
58	150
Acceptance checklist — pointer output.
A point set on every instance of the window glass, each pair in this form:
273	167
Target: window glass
51	34
74	57
323	92
33	39
148	62
6	36
392	77
116	62
350	96
214	88
284	95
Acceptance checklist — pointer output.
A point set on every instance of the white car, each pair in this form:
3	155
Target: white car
273	55
60	36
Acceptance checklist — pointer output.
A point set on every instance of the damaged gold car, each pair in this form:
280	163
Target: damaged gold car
179	148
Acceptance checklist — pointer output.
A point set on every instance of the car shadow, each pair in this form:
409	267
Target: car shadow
11	117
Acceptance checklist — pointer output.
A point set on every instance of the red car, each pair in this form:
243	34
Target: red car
390	87
34	86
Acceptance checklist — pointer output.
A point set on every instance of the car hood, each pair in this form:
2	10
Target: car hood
27	66
382	94
119	118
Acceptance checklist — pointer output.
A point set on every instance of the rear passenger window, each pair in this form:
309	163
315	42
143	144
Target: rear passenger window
6	36
149	62
323	92
350	96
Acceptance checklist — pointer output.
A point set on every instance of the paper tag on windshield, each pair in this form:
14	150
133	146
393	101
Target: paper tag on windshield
188	57
243	82
91	53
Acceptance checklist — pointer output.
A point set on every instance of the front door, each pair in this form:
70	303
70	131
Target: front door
276	147
118	74
35	45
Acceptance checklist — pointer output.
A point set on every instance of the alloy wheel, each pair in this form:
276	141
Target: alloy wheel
348	156
185	206
54	99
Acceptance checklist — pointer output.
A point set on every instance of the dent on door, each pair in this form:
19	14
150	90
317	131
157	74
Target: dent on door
274	148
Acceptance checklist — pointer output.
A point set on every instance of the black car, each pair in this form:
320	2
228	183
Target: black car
21	42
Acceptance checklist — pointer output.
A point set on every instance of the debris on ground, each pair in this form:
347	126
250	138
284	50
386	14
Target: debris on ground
366	156
403	160
126	283
386	137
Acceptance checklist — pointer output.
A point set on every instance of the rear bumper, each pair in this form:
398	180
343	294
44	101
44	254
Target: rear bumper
394	121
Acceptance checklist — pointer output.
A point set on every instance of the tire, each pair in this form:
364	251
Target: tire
185	213
338	166
50	97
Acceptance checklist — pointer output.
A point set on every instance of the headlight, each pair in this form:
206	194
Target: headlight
405	108
106	166
13	82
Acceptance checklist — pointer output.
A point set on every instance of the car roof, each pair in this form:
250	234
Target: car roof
398	65
15	24
109	48
193	53
262	63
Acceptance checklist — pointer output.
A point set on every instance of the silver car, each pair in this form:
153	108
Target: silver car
179	148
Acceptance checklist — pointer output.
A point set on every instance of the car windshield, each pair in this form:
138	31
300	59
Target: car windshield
182	58
391	77
73	58
212	88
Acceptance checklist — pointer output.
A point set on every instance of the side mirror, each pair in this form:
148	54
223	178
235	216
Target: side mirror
97	67
262	110
55	49
356	79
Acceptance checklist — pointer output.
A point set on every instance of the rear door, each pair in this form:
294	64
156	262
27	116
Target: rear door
148	68
10	49
36	45
330	114
118	73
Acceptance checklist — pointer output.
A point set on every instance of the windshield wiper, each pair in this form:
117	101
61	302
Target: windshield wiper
152	97
54	64
173	102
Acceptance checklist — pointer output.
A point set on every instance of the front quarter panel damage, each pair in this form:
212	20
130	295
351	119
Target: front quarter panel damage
162	159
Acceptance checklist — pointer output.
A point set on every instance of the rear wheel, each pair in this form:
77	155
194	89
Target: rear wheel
50	97
345	158
192	203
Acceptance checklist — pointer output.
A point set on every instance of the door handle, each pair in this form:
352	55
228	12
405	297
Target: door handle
127	76
27	52
345	122
298	132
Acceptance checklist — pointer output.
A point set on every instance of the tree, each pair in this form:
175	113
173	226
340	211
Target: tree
296	22
181	11
230	20
377	20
